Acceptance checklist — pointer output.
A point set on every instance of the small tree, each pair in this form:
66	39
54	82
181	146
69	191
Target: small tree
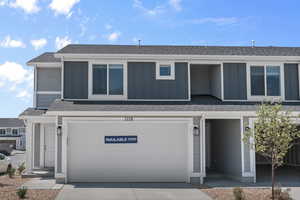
273	135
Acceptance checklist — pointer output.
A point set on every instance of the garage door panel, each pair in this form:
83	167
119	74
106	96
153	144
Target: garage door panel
159	155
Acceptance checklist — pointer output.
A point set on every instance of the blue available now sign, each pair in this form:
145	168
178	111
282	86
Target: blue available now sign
120	139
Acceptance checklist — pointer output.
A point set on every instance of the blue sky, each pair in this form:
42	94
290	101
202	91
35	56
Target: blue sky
31	27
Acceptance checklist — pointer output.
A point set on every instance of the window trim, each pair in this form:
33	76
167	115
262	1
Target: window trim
251	97
5	132
172	75
107	96
12	131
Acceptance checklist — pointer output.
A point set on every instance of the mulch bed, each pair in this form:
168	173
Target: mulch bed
8	189
227	194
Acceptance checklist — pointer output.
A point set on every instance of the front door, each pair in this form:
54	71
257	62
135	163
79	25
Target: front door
49	145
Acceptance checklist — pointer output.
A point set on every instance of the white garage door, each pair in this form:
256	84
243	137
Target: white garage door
160	154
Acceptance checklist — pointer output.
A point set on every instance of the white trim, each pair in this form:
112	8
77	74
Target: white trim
204	58
299	79
42	145
172	70
242	146
251	97
35	87
45	64
48	92
203	145
209	114
222	82
92	96
189	82
62	77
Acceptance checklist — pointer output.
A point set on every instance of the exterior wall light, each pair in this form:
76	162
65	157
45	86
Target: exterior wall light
196	130
247	128
59	131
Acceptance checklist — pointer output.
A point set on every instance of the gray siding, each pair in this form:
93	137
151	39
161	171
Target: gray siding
235	82
226	147
75	80
37	130
48	79
44	100
197	149
142	83
291	81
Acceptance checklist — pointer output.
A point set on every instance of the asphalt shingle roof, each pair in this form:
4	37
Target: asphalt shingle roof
11	122
47	57
32	112
200	104
180	50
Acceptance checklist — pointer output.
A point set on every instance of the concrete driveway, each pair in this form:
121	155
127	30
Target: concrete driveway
131	191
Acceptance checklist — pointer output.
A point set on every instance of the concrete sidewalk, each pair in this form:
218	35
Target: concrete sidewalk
132	191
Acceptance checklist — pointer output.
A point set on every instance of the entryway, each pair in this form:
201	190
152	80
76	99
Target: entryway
49	145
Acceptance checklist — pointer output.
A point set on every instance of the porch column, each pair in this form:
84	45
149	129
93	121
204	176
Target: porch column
29	146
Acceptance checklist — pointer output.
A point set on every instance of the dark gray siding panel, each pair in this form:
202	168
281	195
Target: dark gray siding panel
142	83
75	80
48	79
291	81
44	100
235	83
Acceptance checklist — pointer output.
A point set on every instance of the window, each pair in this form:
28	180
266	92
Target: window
108	79
15	131
165	71
265	80
2	131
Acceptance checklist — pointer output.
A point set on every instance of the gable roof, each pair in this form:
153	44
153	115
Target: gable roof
11	122
47	57
180	50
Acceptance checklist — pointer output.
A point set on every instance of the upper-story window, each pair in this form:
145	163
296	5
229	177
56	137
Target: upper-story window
15	131
107	81
165	71
265	81
2	131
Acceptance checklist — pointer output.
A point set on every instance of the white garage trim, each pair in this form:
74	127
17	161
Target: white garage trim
87	120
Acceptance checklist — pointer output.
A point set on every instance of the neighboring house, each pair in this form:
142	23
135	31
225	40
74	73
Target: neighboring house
154	113
12	133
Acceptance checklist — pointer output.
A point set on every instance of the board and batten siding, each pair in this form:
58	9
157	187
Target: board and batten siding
235	82
75	80
142	83
291	81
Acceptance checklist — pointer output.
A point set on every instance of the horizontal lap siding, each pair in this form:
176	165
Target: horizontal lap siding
75	80
235	83
291	81
48	79
142	83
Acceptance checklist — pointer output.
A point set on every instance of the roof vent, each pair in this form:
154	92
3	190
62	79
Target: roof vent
253	43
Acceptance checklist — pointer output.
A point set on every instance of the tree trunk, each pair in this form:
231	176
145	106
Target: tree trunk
273	181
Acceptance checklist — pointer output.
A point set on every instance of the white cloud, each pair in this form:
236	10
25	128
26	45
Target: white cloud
176	4
11	43
108	26
3	2
217	21
62	42
152	12
63	7
23	94
16	79
38	43
29	6
14	73
114	36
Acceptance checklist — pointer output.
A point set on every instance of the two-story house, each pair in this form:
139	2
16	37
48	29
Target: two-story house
12	134
113	113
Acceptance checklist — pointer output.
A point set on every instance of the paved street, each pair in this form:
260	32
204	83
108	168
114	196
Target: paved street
17	158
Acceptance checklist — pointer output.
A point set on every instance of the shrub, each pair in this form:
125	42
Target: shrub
238	194
10	171
282	194
21	168
21	192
